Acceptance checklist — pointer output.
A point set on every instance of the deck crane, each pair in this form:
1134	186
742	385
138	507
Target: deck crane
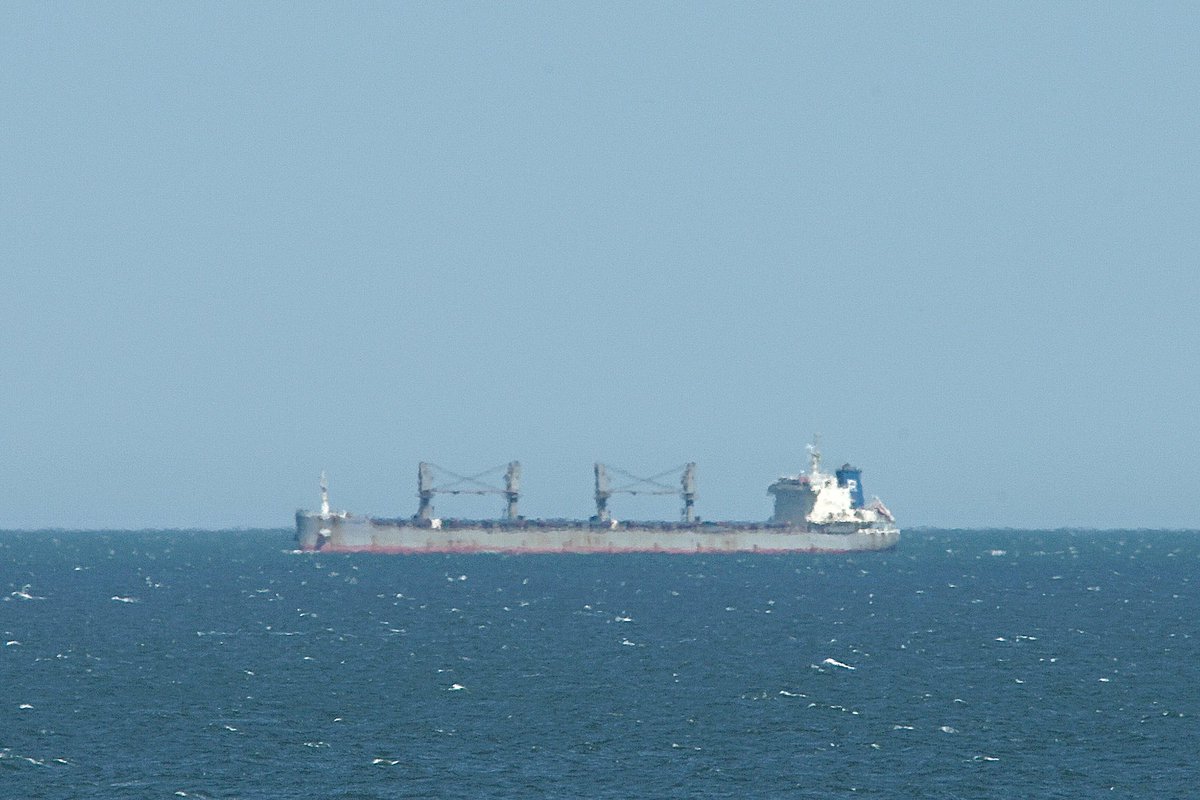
651	485
467	484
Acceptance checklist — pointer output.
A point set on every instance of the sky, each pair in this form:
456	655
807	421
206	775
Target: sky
242	243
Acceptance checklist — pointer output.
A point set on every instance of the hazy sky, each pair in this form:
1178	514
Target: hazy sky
241	243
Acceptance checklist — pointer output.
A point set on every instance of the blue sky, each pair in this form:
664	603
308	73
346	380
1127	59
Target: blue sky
242	243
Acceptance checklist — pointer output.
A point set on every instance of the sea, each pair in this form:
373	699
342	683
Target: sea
962	664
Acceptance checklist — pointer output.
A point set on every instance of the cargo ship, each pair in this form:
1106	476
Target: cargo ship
815	512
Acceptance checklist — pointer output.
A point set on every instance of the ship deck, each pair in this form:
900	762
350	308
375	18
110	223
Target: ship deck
452	524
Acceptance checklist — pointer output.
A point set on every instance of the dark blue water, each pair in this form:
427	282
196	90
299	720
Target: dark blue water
961	665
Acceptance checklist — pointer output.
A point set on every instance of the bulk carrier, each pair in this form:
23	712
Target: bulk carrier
814	513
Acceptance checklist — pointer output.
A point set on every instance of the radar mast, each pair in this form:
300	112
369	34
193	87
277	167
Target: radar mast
814	456
324	496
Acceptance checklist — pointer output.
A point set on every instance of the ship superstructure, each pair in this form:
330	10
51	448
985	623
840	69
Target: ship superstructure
814	512
829	502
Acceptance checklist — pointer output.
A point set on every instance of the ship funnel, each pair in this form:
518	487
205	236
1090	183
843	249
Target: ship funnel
849	477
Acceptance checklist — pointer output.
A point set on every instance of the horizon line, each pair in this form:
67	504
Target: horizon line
903	529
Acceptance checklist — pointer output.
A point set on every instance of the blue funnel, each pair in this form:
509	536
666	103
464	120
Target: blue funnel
851	478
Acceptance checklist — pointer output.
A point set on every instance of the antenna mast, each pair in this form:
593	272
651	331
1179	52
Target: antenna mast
324	496
814	455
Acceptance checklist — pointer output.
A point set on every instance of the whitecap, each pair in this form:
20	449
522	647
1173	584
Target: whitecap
120	599
834	663
24	705
456	687
948	729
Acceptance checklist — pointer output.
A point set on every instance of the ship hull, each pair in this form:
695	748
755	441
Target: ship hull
349	534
